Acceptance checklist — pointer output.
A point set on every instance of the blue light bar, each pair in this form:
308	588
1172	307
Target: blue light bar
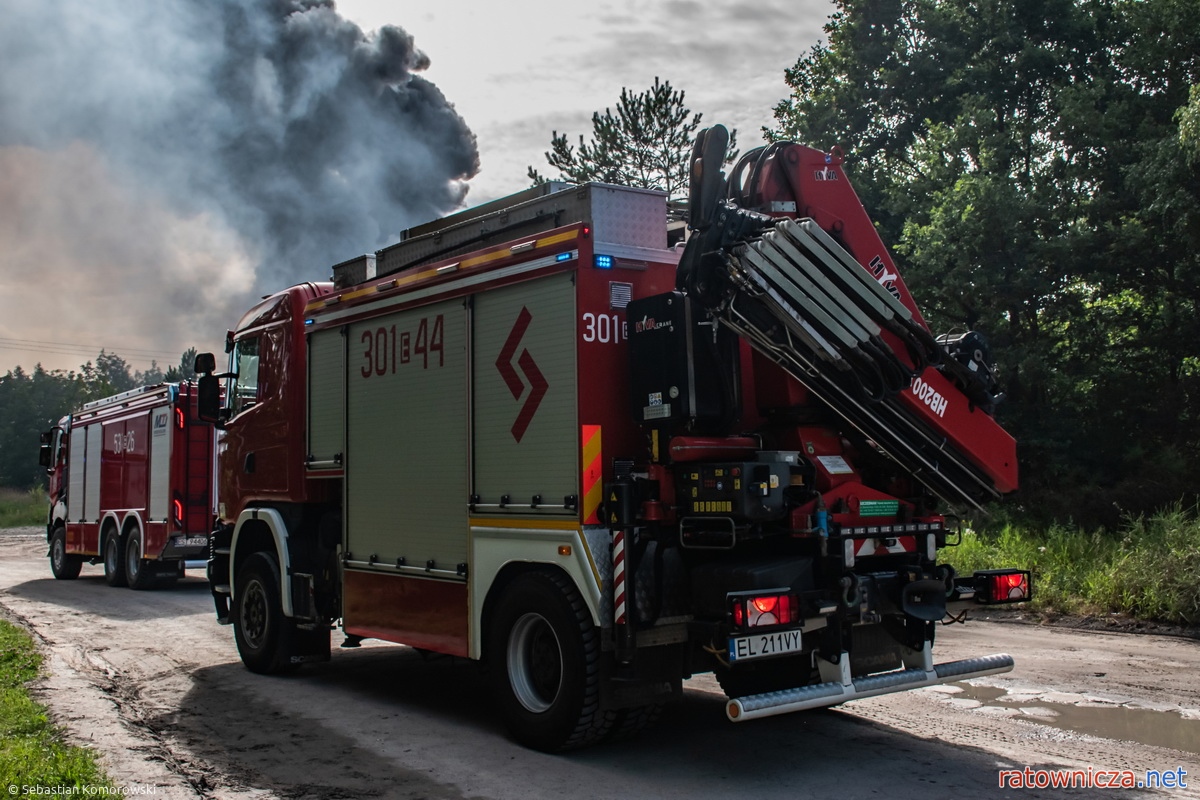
563	257
604	262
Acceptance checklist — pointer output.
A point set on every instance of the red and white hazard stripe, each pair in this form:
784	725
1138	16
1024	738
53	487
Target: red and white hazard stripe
619	576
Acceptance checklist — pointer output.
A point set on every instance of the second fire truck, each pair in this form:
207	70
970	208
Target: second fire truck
131	486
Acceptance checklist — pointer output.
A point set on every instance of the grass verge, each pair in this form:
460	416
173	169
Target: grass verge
1148	568
32	752
19	508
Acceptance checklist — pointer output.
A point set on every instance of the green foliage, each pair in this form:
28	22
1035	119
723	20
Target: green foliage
31	403
647	143
31	750
1146	569
22	508
1189	125
1034	166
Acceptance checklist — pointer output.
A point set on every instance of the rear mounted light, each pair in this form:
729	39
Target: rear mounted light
764	610
1003	586
179	418
178	508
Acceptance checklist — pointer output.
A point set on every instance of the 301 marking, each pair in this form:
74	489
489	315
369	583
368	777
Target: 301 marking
604	328
383	347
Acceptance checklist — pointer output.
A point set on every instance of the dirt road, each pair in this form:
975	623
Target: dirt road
151	681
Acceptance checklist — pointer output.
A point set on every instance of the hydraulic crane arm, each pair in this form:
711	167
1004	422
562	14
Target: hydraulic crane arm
785	255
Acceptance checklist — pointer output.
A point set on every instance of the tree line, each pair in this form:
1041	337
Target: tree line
32	402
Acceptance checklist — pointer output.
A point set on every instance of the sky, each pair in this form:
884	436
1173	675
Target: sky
164	164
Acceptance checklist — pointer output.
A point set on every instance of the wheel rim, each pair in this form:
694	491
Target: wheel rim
254	614
535	663
58	555
110	555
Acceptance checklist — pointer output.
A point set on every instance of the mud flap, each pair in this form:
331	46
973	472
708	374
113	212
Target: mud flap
924	600
310	642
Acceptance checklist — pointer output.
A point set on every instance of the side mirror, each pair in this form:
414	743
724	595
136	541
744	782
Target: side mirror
208	389
208	399
46	452
205	362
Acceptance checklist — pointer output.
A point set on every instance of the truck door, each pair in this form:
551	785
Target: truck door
526	432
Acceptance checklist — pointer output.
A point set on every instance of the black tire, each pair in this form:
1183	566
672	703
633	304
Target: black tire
64	566
629	722
544	663
114	559
138	574
263	634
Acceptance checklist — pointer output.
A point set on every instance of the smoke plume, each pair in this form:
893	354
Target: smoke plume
209	138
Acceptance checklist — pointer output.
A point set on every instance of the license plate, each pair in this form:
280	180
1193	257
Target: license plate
760	645
191	541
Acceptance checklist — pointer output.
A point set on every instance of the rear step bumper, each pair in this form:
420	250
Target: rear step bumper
832	693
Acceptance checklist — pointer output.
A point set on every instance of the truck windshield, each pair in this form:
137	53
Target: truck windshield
243	386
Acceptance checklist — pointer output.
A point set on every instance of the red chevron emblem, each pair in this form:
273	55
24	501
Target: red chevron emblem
537	382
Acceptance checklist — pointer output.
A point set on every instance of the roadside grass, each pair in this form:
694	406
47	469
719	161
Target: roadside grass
1148	568
32	752
18	508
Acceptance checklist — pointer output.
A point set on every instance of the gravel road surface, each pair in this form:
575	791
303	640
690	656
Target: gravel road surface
151	681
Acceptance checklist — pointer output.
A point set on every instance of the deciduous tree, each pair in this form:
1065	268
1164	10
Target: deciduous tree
1030	164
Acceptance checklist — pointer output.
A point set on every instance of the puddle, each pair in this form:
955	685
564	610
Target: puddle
1106	720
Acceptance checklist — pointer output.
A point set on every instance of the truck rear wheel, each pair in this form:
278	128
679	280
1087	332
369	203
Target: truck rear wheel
138	574
64	566
114	561
263	633
544	655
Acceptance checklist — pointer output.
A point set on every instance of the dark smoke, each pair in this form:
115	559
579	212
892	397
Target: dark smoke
277	120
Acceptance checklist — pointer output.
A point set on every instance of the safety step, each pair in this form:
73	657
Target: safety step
823	695
222	588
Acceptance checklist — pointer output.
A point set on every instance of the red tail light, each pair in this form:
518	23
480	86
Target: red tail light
1003	586
177	505
765	610
179	418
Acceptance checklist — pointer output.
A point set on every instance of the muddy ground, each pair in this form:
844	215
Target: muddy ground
151	681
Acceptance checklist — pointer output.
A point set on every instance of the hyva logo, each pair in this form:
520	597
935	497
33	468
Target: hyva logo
537	382
886	277
650	324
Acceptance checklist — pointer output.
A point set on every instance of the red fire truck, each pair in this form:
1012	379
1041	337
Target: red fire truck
545	434
131	484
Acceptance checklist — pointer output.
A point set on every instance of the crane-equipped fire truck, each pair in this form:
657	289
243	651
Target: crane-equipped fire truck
131	481
542	434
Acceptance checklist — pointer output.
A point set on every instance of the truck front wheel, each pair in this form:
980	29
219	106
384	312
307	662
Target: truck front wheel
114	563
263	634
544	656
65	567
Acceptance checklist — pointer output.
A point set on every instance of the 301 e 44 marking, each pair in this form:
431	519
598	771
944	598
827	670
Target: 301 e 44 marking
759	645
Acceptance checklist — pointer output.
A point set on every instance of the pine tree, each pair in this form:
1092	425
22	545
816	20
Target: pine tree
646	143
